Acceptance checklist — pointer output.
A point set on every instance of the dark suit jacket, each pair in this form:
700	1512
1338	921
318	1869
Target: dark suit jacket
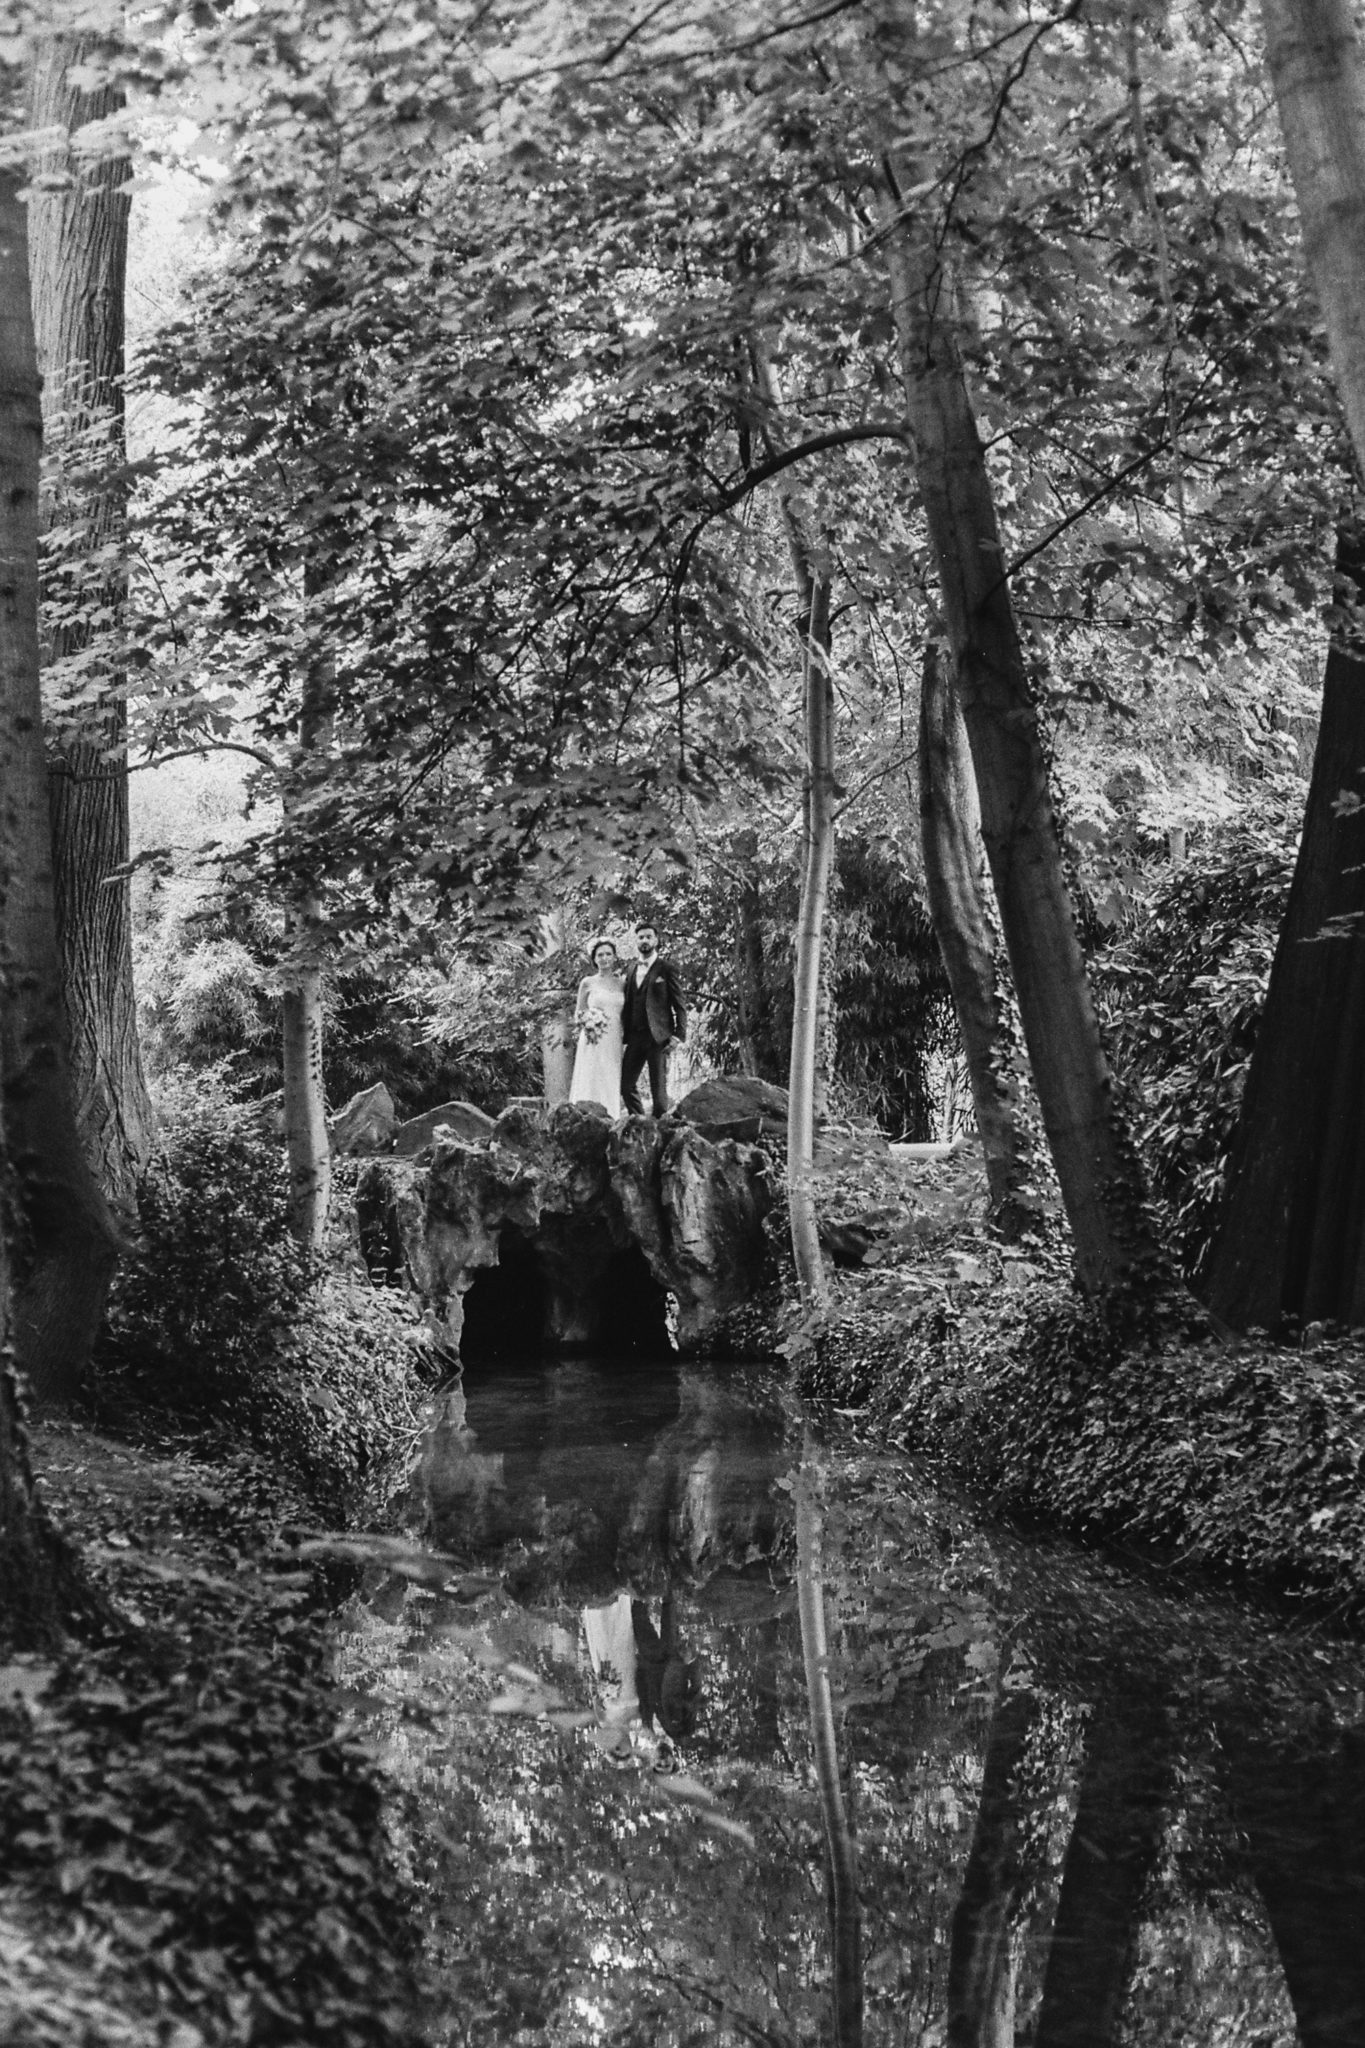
664	1010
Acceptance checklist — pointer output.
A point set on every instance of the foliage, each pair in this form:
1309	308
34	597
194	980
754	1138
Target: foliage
217	1312
1180	991
209	985
1143	1429
190	1852
893	1023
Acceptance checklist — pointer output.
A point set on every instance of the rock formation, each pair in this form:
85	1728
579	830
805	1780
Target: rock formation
573	1229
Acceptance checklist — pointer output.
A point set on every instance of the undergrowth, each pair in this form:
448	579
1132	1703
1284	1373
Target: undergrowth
217	1314
1236	1456
193	1852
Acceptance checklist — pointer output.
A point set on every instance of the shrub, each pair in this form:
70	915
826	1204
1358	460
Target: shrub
1142	1429
217	1313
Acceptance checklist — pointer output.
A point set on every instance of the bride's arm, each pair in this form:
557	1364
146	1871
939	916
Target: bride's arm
581	1006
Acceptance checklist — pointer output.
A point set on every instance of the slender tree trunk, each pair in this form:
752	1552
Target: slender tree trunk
955	878
1115	1842
1096	1171
78	239
981	1951
1313	51
66	1247
758	1051
1291	1237
307	1142
810	933
840	1846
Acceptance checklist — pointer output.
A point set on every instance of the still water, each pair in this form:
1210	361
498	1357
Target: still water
721	1733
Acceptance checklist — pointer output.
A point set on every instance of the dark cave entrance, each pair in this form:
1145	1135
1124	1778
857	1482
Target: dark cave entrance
505	1310
516	1309
634	1309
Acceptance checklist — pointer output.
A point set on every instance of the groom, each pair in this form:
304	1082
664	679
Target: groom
652	1021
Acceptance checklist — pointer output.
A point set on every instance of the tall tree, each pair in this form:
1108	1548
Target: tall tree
78	239
955	877
1290	1242
1096	1172
1317	67
65	1250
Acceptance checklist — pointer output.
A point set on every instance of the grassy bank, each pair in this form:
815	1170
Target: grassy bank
1141	1428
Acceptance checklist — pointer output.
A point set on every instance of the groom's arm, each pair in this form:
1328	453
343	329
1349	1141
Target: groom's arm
677	1012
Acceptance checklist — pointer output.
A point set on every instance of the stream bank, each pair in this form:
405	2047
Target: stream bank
194	1855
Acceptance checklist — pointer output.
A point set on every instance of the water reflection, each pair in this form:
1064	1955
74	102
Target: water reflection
726	1735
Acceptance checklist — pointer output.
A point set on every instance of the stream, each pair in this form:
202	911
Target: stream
722	1731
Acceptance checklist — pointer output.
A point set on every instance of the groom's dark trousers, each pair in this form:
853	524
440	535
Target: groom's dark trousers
642	1052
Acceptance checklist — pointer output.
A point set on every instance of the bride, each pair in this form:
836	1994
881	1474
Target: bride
597	1061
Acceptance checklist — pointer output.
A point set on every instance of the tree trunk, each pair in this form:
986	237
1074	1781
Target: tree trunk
758	1051
307	1142
1291	1237
66	1247
1304	1820
955	878
305	1103
811	1278
1314	56
1115	1842
840	1846
1098	1175
78	238
981	1951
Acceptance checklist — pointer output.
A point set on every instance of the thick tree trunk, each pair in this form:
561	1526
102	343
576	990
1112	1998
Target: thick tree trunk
1115	1842
955	878
1303	1817
66	1248
840	1846
981	1951
78	238
1313	51
1096	1171
806	1050
1291	1238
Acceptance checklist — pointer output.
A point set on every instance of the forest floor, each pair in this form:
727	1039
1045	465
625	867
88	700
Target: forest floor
193	1845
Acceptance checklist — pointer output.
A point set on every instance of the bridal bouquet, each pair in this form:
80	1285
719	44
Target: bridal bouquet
593	1024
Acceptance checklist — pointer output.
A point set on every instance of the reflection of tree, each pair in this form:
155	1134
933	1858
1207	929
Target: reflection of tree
981	1955
1303	1814
845	1923
1120	1821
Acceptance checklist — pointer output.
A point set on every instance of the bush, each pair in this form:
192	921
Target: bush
1239	1457
217	1313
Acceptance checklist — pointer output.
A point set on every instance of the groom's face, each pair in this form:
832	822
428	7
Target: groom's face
647	939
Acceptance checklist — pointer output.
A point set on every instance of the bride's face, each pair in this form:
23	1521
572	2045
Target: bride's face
604	959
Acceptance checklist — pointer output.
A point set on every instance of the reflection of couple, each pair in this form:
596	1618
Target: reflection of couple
625	1027
643	1680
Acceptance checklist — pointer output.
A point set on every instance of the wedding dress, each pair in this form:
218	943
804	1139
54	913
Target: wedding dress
597	1060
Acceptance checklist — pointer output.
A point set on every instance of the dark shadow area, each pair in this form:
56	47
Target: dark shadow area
634	1320
505	1310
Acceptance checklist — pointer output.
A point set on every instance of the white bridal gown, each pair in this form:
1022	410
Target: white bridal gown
597	1065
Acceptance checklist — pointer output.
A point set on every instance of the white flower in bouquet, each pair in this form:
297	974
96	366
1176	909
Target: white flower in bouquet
593	1025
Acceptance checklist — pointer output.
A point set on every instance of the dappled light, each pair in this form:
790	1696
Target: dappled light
682	979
